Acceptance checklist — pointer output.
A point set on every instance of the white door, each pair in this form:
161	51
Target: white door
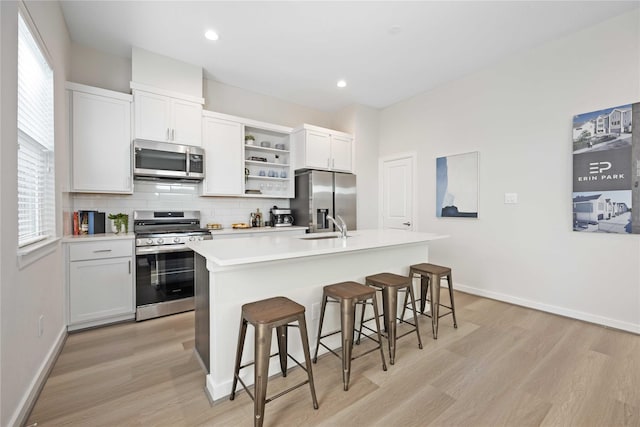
397	192
318	150
341	154
187	122
224	172
152	116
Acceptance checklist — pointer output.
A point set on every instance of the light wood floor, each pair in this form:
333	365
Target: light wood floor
504	366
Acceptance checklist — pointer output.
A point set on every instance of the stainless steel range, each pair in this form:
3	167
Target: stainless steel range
164	263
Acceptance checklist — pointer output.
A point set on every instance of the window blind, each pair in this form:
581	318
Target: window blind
36	178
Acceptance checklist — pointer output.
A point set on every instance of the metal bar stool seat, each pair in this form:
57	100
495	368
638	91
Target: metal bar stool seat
264	315
348	295
390	284
430	277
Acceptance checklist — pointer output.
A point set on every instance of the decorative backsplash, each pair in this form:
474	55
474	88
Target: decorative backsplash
160	195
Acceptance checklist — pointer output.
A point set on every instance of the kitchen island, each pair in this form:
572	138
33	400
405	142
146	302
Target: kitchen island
230	273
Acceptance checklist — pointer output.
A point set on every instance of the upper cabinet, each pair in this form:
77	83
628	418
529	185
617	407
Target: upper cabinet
166	118
222	142
320	148
246	157
100	133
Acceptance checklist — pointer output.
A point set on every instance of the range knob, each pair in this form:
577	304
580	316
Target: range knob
191	238
200	238
160	241
149	241
176	240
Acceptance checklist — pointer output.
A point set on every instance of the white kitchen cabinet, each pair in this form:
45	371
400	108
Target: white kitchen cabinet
224	164
164	118
325	149
100	282
100	131
237	166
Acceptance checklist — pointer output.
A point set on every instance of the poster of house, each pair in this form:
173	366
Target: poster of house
457	185
605	150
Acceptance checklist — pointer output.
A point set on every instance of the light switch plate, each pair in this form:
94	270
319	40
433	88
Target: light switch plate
510	198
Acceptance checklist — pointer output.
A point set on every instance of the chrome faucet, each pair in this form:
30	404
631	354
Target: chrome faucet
342	228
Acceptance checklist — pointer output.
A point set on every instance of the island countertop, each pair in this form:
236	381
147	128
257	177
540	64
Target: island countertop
273	247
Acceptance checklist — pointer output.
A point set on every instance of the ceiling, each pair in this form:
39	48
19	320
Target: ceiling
387	51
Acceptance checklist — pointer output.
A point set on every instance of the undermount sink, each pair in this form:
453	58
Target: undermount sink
323	236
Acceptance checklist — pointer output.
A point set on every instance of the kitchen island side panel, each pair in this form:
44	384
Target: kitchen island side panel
202	335
300	279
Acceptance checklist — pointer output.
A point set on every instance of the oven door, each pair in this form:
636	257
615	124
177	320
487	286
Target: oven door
164	275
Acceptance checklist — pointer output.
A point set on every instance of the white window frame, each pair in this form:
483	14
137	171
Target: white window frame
36	247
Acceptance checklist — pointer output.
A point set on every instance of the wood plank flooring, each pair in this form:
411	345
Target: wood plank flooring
505	365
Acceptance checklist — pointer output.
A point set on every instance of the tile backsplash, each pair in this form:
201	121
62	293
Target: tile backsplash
168	195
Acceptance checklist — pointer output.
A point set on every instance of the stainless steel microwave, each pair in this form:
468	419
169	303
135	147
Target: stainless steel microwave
158	160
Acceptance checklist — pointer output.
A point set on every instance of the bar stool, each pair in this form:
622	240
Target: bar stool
265	315
432	274
348	294
390	284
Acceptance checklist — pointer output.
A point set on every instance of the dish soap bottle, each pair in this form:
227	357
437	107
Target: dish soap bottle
259	222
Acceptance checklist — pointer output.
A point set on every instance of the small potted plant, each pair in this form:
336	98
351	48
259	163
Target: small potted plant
249	139
118	221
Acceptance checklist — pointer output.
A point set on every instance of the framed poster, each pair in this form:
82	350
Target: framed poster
605	187
457	186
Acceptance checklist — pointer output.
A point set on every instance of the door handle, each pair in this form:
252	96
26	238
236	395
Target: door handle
168	134
406	223
173	134
129	266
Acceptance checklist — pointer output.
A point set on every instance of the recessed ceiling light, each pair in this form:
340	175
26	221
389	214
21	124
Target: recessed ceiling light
211	35
342	83
395	29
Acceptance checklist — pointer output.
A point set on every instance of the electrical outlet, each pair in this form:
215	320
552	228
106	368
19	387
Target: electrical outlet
315	311
41	325
510	198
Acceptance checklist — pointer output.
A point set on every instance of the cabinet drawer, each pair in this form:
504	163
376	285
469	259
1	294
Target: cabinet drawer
102	249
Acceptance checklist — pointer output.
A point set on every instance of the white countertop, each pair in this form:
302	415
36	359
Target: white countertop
271	247
95	237
240	231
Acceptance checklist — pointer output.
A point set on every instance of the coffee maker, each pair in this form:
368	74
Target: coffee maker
281	217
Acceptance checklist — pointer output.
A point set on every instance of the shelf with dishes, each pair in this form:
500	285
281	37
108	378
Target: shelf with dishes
261	163
265	149
268	169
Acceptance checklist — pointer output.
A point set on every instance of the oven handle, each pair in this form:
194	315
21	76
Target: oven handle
161	249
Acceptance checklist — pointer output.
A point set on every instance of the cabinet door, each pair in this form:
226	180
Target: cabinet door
341	154
187	123
152	116
101	138
100	289
317	150
224	171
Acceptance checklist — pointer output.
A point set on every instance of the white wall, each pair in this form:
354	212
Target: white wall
36	289
518	115
94	68
362	122
227	99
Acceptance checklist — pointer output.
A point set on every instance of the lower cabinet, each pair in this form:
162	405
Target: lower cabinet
101	285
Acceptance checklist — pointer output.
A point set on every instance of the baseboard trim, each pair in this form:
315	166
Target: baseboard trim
561	311
21	415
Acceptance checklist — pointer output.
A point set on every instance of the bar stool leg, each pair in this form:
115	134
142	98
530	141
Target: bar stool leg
415	315
375	314
347	321
261	371
283	333
322	309
435	303
453	307
390	311
236	371
424	286
307	357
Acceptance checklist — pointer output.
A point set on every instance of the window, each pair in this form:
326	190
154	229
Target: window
36	179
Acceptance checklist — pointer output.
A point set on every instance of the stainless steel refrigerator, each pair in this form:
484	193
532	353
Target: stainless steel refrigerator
322	193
